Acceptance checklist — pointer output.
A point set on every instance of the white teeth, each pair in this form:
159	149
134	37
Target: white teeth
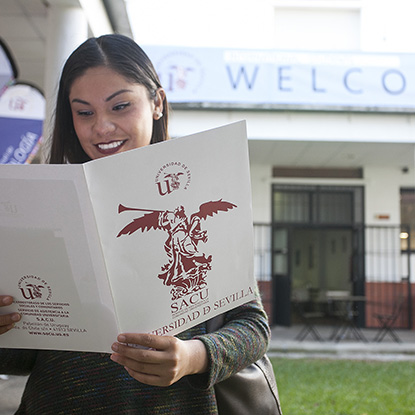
110	146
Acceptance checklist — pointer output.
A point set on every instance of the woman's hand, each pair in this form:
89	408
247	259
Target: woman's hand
159	360
7	320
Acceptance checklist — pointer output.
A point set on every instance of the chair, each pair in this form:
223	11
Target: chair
308	319
309	314
387	321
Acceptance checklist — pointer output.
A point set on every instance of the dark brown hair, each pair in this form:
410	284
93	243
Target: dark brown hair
119	53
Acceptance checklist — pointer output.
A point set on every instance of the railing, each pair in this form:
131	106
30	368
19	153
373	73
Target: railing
388	275
388	272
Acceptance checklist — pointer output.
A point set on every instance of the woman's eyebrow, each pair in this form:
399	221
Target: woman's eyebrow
121	91
81	101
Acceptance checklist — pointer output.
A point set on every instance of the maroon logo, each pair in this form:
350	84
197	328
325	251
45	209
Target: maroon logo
172	176
34	288
187	267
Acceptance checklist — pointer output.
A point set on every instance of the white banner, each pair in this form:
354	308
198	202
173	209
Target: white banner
235	78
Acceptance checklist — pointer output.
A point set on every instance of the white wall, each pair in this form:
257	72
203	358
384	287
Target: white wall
367	25
388	26
311	125
382	188
214	23
261	193
302	27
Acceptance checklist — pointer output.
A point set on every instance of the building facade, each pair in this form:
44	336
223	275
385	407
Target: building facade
326	89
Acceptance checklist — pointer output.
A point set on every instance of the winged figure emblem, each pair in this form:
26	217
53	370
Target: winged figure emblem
187	267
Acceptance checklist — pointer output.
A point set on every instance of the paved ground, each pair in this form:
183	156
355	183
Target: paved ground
284	344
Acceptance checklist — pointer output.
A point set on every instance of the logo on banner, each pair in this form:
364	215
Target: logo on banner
34	288
171	177
187	266
180	72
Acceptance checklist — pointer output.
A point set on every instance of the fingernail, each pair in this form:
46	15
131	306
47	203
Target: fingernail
7	300
122	338
115	347
114	358
16	317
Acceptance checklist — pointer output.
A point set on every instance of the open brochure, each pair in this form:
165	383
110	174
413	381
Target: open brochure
157	239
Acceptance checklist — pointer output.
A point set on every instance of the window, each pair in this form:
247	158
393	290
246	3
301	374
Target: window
328	205
291	206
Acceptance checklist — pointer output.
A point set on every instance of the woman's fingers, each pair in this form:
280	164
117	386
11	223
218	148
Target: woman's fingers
159	360
7	321
155	360
5	300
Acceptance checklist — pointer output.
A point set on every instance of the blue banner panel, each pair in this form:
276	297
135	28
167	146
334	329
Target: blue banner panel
22	110
271	78
18	139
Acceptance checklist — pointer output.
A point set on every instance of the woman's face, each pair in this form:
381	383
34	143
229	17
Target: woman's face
112	114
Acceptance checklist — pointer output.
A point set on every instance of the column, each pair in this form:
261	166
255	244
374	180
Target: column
67	29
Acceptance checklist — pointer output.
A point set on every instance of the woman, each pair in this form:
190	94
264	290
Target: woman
110	100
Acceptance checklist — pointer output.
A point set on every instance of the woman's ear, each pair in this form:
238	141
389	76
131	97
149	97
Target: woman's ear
158	101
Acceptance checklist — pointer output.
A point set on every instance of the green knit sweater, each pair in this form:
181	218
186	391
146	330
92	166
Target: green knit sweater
63	382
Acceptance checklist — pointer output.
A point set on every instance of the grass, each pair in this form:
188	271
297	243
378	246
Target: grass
344	387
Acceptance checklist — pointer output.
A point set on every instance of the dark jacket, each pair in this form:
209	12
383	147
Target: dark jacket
62	382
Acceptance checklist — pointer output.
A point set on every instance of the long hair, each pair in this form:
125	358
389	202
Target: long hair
120	54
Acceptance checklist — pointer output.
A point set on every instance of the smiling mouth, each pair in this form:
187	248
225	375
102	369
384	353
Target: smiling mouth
113	145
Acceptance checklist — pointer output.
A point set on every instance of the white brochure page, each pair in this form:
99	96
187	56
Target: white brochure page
166	243
175	223
51	261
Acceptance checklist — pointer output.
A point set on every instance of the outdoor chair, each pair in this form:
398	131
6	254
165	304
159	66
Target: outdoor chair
386	322
309	314
309	327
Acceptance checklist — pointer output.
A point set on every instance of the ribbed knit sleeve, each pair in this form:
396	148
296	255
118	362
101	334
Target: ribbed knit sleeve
241	341
17	361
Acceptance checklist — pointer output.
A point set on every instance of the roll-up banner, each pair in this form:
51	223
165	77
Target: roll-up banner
22	111
8	69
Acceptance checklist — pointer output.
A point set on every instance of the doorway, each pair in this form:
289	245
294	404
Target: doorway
321	260
317	244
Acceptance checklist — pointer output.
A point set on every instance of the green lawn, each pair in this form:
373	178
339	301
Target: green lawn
343	387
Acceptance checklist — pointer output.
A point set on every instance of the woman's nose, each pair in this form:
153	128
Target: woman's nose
103	125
